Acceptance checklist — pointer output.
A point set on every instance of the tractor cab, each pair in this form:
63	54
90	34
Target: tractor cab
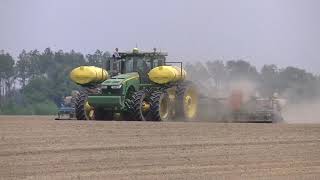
135	61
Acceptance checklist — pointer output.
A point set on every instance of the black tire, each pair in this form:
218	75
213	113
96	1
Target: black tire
180	93
80	102
160	106
136	112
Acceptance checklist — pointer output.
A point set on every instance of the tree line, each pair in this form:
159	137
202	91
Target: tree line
35	82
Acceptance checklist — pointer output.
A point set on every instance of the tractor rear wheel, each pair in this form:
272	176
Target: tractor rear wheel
160	106
140	106
187	101
83	110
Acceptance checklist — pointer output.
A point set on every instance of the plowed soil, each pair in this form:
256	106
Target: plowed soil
41	148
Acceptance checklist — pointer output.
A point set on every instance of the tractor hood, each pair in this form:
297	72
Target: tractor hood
120	79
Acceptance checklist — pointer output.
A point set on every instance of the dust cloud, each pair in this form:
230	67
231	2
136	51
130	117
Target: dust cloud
307	112
301	109
214	105
216	108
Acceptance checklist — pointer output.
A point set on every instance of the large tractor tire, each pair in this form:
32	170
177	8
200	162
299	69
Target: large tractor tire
187	101
160	106
83	110
140	106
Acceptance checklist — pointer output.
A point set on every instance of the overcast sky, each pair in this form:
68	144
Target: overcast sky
282	32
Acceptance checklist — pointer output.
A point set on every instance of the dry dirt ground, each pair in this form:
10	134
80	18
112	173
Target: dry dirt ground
41	148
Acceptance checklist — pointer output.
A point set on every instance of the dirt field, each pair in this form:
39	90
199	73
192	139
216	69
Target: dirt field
41	148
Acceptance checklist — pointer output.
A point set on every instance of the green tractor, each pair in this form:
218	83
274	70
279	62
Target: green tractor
138	86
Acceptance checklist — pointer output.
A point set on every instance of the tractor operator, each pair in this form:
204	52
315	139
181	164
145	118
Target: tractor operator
116	54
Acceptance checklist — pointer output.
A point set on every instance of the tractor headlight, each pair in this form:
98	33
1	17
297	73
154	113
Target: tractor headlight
116	86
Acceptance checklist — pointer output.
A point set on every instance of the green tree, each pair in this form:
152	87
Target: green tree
297	84
23	68
241	70
217	71
95	59
6	74
269	80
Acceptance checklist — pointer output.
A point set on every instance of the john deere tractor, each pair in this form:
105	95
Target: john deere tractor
139	86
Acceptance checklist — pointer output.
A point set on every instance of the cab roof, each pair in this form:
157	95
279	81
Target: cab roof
146	54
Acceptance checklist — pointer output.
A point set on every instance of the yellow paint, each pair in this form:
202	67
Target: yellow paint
190	103
166	74
164	108
145	106
135	77
89	111
87	107
88	74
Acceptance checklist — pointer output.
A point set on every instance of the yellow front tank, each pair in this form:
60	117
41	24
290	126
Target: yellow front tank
167	74
88	74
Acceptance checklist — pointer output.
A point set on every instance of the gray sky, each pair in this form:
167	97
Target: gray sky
282	32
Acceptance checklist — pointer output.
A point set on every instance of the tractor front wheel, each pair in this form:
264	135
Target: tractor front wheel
140	106
83	110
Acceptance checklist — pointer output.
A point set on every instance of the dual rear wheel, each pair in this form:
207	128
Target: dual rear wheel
161	105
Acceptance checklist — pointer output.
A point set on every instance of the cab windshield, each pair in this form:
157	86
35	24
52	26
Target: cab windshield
137	64
128	64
